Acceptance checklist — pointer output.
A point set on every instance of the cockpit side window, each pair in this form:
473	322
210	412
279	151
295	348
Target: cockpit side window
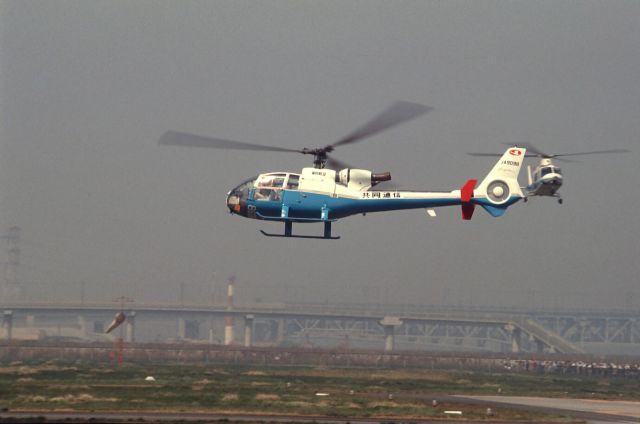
267	194
545	171
269	187
272	180
293	182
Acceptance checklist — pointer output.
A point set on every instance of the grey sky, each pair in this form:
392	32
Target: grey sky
87	88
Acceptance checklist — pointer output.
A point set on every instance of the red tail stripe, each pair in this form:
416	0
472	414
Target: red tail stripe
467	210
466	192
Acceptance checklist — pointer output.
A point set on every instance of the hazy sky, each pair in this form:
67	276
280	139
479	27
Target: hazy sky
87	88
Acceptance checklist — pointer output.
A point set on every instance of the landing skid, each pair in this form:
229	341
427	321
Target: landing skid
288	232
557	196
297	236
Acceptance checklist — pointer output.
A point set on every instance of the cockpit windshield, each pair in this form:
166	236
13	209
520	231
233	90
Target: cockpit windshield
237	198
244	186
549	170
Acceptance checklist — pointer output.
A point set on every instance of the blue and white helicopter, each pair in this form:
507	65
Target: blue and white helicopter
331	190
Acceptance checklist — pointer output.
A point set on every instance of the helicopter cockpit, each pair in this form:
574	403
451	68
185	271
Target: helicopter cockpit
269	186
546	170
263	188
237	198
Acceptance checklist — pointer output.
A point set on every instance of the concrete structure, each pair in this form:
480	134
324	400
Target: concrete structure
130	327
426	328
10	290
389	324
228	321
516	335
182	328
248	330
82	326
7	324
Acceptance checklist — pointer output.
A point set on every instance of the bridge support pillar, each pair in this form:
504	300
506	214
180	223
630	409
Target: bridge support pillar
82	327
7	324
539	346
228	330
516	335
31	321
248	330
280	334
182	328
389	324
130	327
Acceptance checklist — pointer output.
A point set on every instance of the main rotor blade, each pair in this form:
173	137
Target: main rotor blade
498	154
566	160
531	149
592	152
396	114
485	154
176	138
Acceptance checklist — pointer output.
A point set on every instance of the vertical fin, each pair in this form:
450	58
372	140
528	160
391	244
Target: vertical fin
500	188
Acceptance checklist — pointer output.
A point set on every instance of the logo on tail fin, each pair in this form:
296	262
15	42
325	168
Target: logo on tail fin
515	152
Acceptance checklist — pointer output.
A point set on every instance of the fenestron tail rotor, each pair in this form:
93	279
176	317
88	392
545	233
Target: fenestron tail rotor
396	114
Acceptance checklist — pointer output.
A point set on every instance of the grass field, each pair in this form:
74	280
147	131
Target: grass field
217	388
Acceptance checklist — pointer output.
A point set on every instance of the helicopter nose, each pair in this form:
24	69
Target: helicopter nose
235	203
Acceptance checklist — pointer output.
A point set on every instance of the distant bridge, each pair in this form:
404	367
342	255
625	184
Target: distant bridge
407	328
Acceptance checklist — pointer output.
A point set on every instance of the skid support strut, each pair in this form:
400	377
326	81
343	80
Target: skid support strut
327	229
288	228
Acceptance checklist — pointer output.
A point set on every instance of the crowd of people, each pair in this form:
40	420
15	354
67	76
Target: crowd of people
599	369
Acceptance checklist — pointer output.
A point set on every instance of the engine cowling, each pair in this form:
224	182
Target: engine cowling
361	179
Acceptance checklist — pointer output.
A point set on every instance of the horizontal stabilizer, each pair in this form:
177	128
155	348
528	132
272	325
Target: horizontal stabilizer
493	210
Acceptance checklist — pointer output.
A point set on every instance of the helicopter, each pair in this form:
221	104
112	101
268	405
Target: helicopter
332	190
546	178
